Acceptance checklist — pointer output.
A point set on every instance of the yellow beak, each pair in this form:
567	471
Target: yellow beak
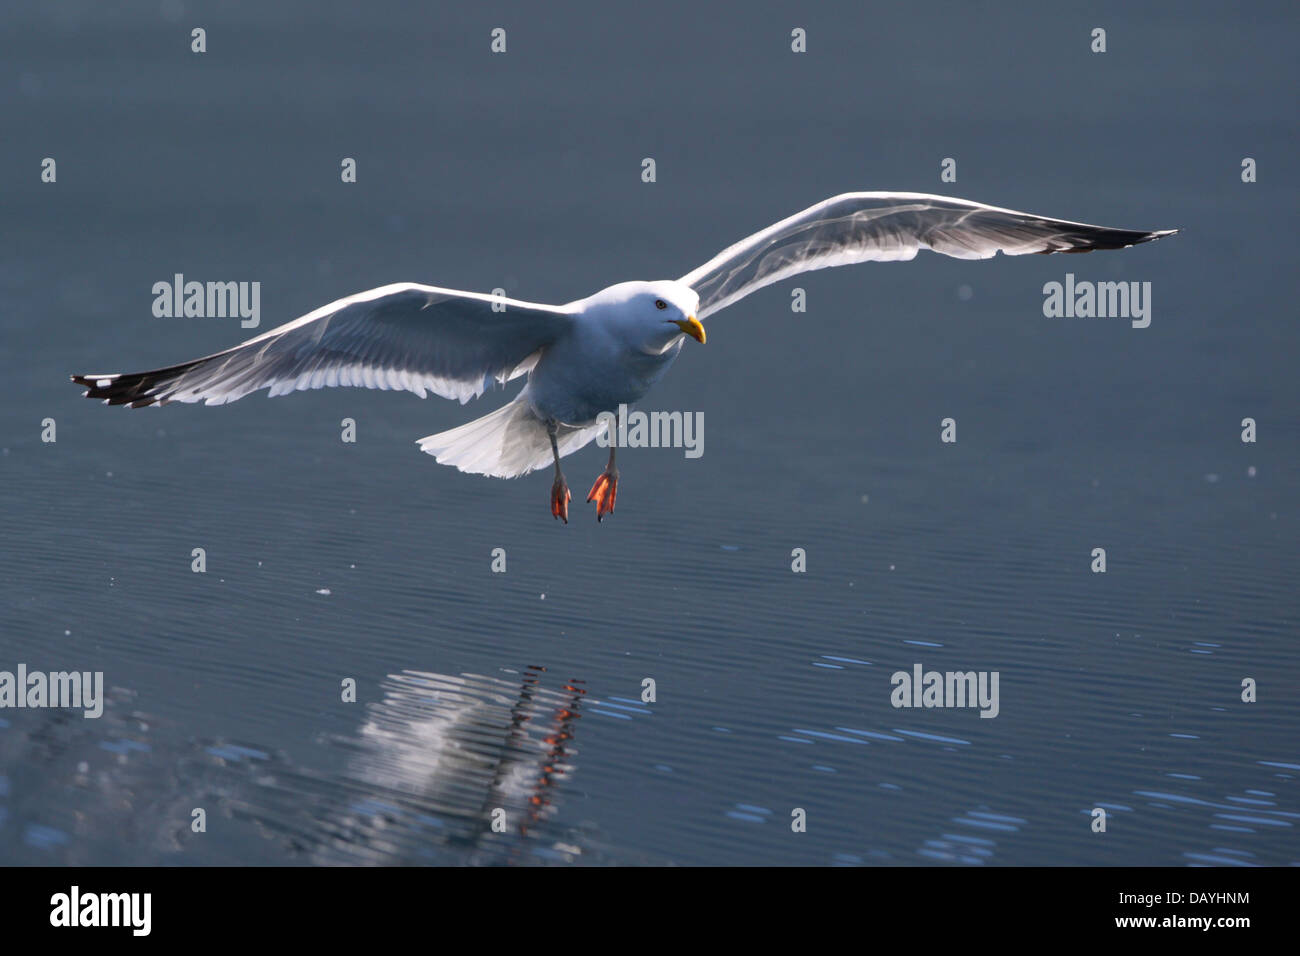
692	327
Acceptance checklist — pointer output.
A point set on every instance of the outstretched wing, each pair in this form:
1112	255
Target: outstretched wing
884	227
413	337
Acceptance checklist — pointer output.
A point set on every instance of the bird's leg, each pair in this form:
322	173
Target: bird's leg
560	496
605	491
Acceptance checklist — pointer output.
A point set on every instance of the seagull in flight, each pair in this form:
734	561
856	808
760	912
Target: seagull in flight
587	357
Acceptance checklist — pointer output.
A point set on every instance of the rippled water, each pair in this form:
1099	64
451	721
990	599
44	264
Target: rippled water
522	691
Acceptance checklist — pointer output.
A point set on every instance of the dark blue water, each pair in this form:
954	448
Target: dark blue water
522	691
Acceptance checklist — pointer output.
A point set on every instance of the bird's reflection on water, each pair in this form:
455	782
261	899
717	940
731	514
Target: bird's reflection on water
444	769
464	769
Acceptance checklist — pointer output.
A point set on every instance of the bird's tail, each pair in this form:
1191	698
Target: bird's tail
507	443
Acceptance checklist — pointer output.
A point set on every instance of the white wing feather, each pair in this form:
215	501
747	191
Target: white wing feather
413	337
885	227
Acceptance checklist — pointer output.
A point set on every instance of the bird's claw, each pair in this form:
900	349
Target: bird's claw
605	492
560	498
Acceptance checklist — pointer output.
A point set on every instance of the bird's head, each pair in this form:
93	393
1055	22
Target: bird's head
654	314
677	304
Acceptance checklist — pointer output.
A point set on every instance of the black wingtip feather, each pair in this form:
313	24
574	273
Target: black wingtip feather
1108	239
137	389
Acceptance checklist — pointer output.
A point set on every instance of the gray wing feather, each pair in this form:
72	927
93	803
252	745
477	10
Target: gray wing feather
412	337
885	227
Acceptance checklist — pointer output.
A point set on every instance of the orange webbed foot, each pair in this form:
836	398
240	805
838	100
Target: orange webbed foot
605	493
560	498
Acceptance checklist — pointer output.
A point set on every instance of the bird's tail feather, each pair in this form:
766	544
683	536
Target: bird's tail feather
507	443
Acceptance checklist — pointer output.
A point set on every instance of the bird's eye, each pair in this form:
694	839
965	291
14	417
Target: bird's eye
660	304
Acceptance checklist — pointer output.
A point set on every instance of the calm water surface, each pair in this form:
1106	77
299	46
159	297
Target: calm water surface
523	691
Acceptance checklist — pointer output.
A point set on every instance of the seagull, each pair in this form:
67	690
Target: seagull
587	357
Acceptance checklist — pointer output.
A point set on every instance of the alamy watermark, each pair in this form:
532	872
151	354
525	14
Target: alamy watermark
922	688
1102	300
77	689
208	300
130	910
653	430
